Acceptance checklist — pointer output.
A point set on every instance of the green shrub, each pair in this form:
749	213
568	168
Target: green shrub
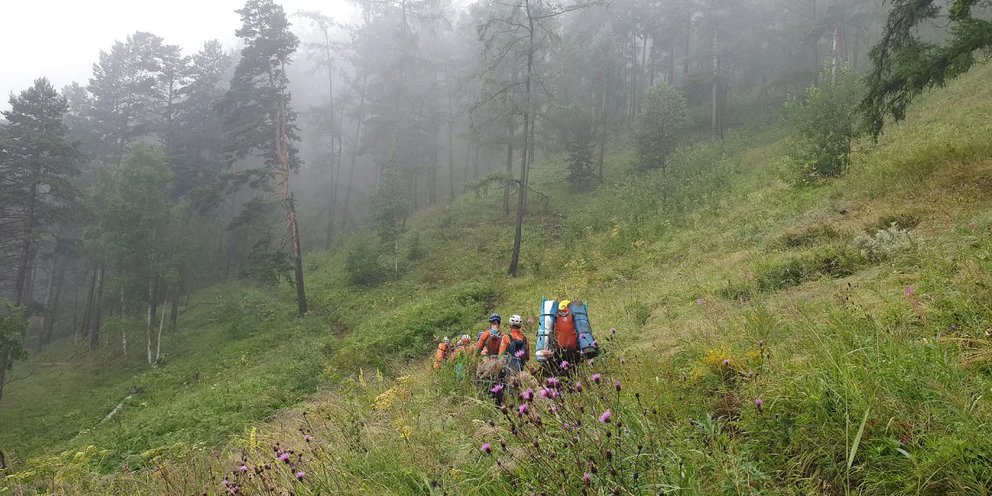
657	133
417	250
13	326
574	132
364	262
823	124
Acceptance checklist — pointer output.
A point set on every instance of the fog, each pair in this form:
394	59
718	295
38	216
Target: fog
60	39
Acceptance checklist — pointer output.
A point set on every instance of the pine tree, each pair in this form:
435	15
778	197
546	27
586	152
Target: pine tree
257	112
37	163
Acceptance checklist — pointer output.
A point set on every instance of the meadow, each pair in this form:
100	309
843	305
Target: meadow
769	339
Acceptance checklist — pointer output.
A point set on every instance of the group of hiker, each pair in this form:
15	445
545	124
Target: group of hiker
512	348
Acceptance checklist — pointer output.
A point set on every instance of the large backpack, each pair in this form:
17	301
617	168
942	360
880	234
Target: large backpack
492	342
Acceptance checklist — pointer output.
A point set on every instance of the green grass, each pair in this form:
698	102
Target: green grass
874	372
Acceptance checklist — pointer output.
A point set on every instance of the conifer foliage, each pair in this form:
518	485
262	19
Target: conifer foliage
37	160
258	116
906	63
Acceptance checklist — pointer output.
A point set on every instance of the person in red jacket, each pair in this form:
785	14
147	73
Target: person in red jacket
490	339
443	350
514	346
566	338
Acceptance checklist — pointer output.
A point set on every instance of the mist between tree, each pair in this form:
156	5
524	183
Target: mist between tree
169	171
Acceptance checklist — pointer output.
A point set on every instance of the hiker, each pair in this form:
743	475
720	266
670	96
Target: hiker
490	338
443	350
464	344
514	346
566	338
461	354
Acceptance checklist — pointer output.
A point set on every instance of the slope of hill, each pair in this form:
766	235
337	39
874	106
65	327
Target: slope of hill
769	339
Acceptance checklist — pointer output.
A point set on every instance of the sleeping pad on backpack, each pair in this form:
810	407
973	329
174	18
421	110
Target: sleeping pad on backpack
587	343
545	329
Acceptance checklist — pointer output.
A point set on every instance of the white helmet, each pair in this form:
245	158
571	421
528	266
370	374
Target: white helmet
516	321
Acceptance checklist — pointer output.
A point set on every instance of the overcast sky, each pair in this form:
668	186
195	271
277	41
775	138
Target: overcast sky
61	39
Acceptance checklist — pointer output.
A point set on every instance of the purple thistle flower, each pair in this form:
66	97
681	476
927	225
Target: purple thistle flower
577	387
496	389
606	417
527	395
700	301
307	438
283	457
520	353
758	403
726	362
553	382
586	478
486	448
522	409
617	385
908	291
243	468
596	378
299	475
564	365
545	393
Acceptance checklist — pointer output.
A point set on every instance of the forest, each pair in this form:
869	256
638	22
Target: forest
371	179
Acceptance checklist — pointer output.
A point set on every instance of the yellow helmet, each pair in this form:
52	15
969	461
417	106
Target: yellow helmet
563	305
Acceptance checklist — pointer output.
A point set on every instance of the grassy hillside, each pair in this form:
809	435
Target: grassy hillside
857	312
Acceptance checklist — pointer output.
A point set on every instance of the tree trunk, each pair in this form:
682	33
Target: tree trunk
835	38
32	277
98	308
354	154
468	161
854	50
174	309
717	127
602	129
149	322
451	148
75	316
432	172
3	374
475	162
334	168
688	45
27	249
51	304
670	77
525	155
643	72
282	154
84	329
509	170
633	76
158	340
415	193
